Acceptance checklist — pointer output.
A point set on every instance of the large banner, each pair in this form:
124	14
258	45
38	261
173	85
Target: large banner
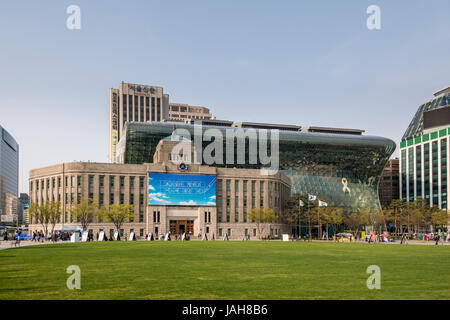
181	189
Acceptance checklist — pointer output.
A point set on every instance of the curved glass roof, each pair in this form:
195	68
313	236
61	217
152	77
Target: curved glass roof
415	128
316	163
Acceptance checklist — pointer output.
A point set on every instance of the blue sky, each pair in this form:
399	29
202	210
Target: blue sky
293	62
181	189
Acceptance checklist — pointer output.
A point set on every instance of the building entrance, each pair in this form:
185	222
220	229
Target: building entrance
180	226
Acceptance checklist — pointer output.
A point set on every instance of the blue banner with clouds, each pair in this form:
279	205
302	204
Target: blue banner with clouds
181	189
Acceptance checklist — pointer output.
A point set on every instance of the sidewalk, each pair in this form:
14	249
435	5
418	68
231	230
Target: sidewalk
25	243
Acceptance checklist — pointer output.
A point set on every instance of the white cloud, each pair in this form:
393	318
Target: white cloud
151	187
158	194
211	203
212	197
159	200
188	203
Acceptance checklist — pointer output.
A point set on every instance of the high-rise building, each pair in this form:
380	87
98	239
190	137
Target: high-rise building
134	102
23	204
9	178
144	103
388	188
424	150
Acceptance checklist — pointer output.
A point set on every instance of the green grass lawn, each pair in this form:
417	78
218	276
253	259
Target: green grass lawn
225	270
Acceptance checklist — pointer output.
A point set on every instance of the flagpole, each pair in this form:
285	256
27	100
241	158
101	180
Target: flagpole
309	219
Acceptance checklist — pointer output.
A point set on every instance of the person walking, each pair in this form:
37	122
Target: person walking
404	239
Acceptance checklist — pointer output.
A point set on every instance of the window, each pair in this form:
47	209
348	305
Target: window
111	181
254	232
220	232
102	181
79	181
131	198
153	108
122	181
141	182
158	108
141	232
91	181
229	232
131	182
122	198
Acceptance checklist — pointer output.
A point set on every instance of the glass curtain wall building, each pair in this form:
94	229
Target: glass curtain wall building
424	153
340	169
9	177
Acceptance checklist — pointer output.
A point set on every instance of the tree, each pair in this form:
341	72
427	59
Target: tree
377	219
35	212
335	218
117	214
325	216
84	211
396	208
439	218
45	214
262	217
53	211
356	220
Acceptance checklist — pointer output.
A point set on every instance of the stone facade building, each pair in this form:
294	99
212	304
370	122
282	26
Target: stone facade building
237	192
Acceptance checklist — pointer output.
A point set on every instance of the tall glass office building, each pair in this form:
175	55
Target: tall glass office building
9	177
340	166
424	153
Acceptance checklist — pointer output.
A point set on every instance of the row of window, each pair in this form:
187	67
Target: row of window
272	197
139	114
76	181
432	182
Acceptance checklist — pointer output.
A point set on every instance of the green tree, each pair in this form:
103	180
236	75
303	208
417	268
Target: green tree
46	214
396	207
117	214
53	211
356	220
262	217
85	211
439	218
336	218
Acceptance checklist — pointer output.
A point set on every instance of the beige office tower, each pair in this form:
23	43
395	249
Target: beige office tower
134	102
181	112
